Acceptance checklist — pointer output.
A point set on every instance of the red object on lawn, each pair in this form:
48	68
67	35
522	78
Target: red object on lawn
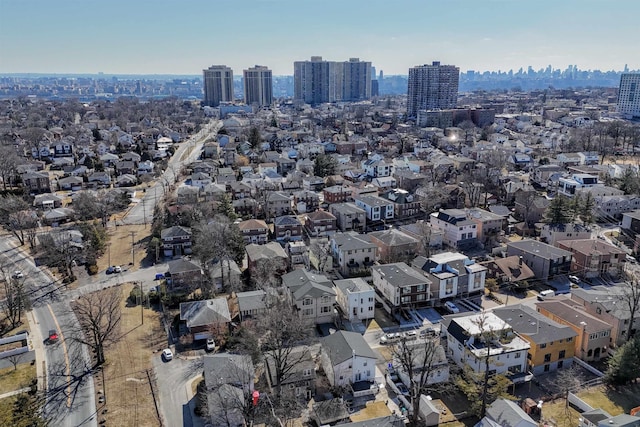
256	395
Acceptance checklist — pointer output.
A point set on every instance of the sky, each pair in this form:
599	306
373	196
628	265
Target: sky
186	36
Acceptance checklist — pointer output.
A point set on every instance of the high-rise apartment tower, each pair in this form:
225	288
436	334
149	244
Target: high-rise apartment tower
432	87
629	95
218	85
258	86
317	81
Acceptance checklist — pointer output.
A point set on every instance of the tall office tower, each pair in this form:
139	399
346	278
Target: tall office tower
258	86
629	94
432	87
218	85
317	81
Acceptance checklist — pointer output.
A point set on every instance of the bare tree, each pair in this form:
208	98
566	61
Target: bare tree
15	360
16	300
281	330
424	232
99	315
321	254
630	296
567	380
418	360
16	216
8	164
61	252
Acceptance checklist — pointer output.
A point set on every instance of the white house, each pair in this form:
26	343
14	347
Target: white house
356	298
347	358
452	274
458	230
569	186
376	208
471	339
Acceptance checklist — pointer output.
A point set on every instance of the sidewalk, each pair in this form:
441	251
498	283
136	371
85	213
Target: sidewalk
37	343
13	393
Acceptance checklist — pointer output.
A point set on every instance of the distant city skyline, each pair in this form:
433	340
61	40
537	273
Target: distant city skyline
163	37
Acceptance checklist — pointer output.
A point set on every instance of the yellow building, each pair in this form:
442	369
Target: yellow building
552	344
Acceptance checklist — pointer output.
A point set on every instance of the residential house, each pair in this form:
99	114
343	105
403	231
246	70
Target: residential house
615	206
176	241
551	344
531	208
609	305
57	216
425	233
377	168
553	233
385	183
36	182
423	356
312	294
459	232
394	245
225	275
509	270
184	274
306	201
188	195
594	257
376	208
404	204
300	378
544	260
47	201
349	216
352	252
489	225
228	378
452	274
337	194
298	253
100	179
125	167
631	221
199	179
239	190
593	335
287	228
251	303
246	208
541	174
126	180
206	318
270	252
356	299
254	231
71	183
277	204
402	287
347	359
213	192
506	413
569	186
320	223
473	338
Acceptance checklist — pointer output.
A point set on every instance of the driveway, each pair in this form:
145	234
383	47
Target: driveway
174	388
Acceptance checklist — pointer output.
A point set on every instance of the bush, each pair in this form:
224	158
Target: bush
92	269
134	295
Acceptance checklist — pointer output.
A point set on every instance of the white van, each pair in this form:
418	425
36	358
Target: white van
546	294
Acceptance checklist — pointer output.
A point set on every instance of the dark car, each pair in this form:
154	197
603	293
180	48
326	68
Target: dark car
53	336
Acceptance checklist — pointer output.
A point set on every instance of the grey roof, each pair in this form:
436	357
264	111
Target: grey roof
622	420
346	208
596	415
400	274
251	300
224	368
508	414
572	313
343	345
302	283
352	285
287	220
206	312
182	265
393	237
270	250
350	241
175	231
300	359
609	298
526	321
393	420
538	248
373	200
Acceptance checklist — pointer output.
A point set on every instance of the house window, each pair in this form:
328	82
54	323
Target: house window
307	301
518	355
569	339
560	364
306	372
546	368
307	312
325	299
561	354
325	309
547	358
543	345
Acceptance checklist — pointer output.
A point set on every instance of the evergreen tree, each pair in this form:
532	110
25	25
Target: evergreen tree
325	165
558	211
623	366
575	207
586	211
254	137
630	181
225	207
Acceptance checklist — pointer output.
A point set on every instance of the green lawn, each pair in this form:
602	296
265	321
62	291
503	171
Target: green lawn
11	379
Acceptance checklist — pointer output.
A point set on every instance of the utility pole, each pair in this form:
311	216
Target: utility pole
141	303
109	246
133	253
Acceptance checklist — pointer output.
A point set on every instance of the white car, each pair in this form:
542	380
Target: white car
390	338
18	274
574	279
411	335
211	344
451	307
167	354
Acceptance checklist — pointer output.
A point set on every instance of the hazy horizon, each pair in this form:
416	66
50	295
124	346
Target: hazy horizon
170	38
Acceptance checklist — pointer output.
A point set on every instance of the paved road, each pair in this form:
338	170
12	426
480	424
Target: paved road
186	153
174	388
70	393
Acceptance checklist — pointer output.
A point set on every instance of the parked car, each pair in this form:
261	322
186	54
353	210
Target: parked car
429	332
574	279
402	389
18	274
411	335
167	354
451	307
546	294
390	338
53	336
211	344
117	269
